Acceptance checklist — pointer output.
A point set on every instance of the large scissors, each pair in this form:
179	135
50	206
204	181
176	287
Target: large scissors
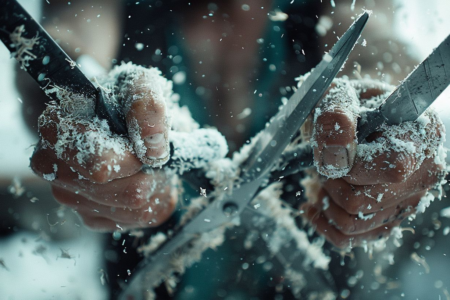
406	103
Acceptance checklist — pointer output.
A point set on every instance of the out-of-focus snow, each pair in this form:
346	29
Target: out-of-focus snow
41	270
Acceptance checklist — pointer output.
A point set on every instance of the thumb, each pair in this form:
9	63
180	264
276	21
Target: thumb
145	115
334	132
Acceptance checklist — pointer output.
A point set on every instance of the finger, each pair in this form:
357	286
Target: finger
355	224
100	224
145	112
335	131
158	209
396	153
372	198
338	238
382	167
367	89
91	152
132	192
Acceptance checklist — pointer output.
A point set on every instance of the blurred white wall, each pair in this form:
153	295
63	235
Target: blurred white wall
15	138
423	25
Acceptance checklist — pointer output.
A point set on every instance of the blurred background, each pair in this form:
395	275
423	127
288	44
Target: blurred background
51	256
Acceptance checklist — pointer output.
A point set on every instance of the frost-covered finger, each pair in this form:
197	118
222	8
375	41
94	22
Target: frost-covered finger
399	151
372	198
133	192
93	152
158	209
334	134
360	223
100	224
371	92
323	226
144	94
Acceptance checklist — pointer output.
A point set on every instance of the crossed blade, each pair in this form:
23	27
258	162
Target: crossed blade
266	151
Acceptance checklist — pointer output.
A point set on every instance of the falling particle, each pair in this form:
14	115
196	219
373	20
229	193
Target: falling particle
3	265
327	57
298	194
48	1
207	220
226	188
16	188
72	64
303	51
150	209
49	177
278	16
245	113
292	1
129	272
365	217
379	197
179	77
364	43
65	254
352	7
245	7
446	230
445	212
139	46
118	226
203	192
257	205
336	126
20	100
103	276
422	261
332	3
326	203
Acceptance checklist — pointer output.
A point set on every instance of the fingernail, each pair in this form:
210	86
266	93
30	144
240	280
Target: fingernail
335	156
154	139
160	151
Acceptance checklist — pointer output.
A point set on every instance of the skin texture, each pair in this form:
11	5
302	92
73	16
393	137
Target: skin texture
104	199
336	214
107	200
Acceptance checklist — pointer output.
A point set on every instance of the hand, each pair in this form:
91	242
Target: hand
366	190
96	172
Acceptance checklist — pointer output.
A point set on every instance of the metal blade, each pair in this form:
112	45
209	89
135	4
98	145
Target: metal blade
47	62
286	123
274	139
416	93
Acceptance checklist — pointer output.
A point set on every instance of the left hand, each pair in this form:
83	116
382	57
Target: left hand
366	190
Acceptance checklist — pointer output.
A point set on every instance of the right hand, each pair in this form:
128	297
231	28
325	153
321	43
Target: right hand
97	173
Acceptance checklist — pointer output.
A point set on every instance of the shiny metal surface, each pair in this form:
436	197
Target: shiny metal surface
265	152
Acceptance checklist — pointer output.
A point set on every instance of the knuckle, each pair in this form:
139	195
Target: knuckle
62	197
349	226
91	223
351	206
328	120
100	174
41	162
136	199
398	174
99	169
